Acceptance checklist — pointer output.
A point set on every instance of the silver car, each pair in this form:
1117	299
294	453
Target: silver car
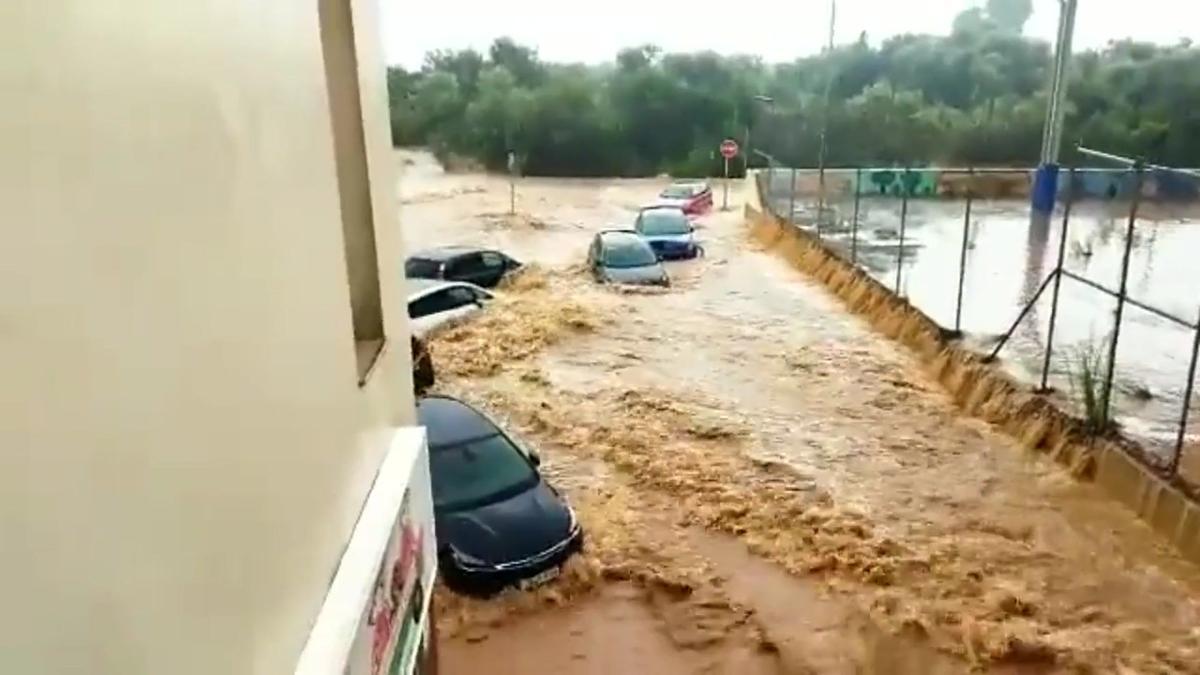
622	257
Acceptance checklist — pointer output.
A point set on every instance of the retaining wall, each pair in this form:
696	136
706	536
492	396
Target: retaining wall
984	390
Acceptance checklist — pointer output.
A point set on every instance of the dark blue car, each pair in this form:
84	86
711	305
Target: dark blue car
498	522
668	231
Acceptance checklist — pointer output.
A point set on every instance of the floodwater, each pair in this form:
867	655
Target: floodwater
767	485
1006	263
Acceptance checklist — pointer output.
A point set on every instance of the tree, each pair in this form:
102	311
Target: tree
438	106
495	119
636	58
519	60
464	65
975	96
974	21
1010	16
403	120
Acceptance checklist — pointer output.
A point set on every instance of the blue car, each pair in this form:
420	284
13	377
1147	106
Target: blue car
668	231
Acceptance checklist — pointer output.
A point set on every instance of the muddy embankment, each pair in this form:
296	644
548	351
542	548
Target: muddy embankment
983	390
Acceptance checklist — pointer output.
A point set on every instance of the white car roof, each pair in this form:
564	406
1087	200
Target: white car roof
419	288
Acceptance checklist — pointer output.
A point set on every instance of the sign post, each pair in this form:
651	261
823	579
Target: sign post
512	183
729	150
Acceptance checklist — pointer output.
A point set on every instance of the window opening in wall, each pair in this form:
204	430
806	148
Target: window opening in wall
353	179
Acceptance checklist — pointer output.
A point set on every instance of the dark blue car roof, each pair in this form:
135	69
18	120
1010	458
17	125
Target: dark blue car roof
449	421
445	253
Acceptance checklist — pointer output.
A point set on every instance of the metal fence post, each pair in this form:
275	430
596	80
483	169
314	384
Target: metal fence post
1058	267
962	256
854	225
903	223
1121	293
792	200
1173	467
768	194
820	202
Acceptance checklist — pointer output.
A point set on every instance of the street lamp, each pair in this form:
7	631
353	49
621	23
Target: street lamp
759	98
825	119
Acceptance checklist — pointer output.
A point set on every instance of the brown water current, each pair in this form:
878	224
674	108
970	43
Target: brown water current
767	484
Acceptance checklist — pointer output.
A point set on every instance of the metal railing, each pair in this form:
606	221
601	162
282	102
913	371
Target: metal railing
821	225
1121	294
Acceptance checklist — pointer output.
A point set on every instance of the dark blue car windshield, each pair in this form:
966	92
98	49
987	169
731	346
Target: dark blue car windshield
478	472
662	222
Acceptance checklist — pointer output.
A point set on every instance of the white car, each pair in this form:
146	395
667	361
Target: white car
434	304
695	198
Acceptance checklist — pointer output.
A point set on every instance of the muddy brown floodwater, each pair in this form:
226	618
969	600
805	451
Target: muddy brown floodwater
767	485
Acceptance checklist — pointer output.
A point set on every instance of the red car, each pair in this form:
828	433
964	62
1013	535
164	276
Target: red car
695	198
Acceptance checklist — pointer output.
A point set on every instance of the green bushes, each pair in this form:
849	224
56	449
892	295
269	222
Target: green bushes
973	97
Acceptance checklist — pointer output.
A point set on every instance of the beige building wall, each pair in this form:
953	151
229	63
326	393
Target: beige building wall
184	441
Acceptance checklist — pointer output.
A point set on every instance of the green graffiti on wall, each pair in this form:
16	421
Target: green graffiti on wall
898	182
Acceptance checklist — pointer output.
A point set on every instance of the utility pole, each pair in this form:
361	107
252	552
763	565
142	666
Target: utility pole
825	119
1045	183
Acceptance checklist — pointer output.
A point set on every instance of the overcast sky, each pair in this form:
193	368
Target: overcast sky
593	31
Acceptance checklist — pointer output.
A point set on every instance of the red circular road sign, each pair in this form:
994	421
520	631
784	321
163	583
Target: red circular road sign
729	148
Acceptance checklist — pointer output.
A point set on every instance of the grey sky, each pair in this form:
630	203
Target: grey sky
594	31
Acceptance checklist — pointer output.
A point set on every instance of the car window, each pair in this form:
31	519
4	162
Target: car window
663	222
420	268
461	295
628	253
443	301
466	265
491	260
478	472
438	301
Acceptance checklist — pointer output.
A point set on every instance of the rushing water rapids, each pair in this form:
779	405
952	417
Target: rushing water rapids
768	486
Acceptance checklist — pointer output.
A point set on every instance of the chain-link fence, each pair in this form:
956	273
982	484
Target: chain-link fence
1118	340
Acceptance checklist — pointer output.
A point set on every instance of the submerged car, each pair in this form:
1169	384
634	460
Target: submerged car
479	266
668	231
436	304
498	522
693	198
622	257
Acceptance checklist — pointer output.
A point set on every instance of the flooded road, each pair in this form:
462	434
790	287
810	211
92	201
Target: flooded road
768	486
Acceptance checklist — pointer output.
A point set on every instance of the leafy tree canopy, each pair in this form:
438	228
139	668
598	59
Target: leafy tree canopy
975	96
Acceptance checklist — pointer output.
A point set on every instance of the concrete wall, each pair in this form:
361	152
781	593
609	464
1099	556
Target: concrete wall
186	445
